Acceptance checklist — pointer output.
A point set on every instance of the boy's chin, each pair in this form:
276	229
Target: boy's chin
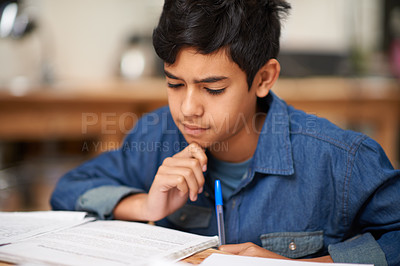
202	143
208	145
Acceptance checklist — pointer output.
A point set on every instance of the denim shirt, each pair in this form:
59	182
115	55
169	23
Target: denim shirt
312	189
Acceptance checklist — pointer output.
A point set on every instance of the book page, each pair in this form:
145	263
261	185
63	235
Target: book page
217	259
15	226
108	243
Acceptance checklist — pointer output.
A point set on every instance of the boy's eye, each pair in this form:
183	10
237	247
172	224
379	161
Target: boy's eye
214	92
173	86
210	91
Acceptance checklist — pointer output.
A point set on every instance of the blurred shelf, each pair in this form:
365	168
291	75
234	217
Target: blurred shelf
104	111
116	91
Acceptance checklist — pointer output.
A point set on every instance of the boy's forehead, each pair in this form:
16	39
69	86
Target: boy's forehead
191	60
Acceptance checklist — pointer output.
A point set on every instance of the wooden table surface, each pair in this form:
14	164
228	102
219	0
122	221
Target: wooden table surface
200	256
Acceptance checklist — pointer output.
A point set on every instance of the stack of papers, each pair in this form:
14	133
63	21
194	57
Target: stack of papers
68	238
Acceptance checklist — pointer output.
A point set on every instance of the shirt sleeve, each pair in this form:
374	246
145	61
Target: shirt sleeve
101	201
371	207
360	249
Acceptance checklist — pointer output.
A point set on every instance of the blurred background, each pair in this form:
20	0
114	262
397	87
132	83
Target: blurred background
75	75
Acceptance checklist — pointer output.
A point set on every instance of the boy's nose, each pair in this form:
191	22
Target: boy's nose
191	104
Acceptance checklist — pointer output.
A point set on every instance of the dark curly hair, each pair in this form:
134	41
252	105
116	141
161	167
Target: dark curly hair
248	29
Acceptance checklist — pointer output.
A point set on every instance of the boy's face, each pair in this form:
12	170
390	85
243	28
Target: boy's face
209	98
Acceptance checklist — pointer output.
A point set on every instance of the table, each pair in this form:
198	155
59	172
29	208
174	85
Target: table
200	256
106	111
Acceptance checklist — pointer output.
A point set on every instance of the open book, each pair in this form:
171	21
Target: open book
69	238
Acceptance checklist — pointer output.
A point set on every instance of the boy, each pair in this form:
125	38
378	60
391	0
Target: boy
292	189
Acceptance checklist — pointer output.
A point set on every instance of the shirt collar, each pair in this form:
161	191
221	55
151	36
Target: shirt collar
273	154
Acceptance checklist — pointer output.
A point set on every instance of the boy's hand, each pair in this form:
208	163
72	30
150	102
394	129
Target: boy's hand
252	250
178	178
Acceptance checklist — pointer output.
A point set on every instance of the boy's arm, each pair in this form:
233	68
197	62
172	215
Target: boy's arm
101	201
373	187
98	185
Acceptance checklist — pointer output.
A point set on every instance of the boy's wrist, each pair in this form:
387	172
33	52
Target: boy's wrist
325	259
132	208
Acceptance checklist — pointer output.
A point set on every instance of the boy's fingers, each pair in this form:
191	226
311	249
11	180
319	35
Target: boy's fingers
235	248
250	249
182	185
174	181
189	177
194	151
189	163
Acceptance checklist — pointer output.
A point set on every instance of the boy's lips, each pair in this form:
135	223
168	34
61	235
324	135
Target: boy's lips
191	129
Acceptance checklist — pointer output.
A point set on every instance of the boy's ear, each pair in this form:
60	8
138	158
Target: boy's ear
266	77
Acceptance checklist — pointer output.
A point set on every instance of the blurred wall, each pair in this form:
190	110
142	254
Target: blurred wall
333	26
89	34
83	39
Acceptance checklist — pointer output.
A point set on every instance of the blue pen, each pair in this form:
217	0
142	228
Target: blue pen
219	212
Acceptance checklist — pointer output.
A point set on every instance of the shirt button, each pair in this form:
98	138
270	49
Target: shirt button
233	203
292	246
206	194
183	217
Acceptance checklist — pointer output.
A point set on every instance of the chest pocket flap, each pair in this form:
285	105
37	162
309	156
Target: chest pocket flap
293	244
191	216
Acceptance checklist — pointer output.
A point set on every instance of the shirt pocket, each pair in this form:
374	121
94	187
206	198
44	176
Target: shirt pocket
191	216
293	244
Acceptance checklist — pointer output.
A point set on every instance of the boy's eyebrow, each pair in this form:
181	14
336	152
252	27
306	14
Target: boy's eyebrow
211	79
205	80
170	75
